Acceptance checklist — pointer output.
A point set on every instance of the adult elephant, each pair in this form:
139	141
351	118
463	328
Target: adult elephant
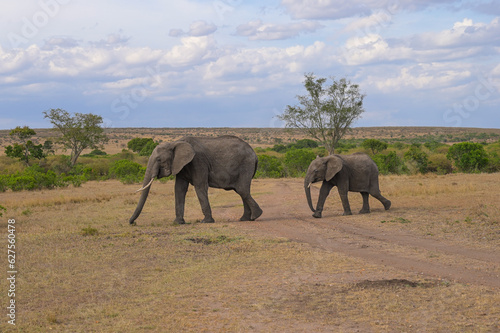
225	162
355	173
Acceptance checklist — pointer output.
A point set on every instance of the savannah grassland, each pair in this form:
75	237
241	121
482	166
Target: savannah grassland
430	264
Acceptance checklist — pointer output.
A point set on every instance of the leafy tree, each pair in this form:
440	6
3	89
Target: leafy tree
78	132
325	113
376	146
468	156
26	149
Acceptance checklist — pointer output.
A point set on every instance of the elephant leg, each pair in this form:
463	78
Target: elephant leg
181	187
366	204
251	208
202	193
326	187
247	211
345	201
384	201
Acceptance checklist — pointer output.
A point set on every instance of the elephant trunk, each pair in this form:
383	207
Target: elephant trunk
151	173
140	205
307	188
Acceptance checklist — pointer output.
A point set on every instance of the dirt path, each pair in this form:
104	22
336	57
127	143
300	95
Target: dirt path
363	236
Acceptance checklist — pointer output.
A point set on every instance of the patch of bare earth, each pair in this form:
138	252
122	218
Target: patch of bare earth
398	238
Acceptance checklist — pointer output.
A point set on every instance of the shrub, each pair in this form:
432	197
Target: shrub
417	156
32	178
269	167
440	164
148	148
127	172
468	156
305	143
376	146
138	144
390	163
433	145
494	163
300	144
95	152
297	161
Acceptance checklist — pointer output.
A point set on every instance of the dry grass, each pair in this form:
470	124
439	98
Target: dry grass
82	268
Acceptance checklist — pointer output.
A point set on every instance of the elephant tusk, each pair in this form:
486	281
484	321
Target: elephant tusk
145	187
308	186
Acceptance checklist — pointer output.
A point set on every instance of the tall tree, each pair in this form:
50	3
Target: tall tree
26	149
326	112
78	132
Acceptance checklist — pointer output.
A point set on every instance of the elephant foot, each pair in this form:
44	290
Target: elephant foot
208	220
179	220
387	205
347	213
317	214
256	214
364	211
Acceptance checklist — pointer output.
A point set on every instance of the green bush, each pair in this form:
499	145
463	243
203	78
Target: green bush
127	171
390	163
494	163
148	148
300	144
417	156
468	156
269	167
95	152
138	144
376	146
305	143
32	178
440	164
297	161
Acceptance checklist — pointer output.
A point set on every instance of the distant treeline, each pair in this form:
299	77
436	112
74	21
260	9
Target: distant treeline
290	160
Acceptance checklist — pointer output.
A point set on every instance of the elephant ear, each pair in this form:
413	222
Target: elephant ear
333	166
183	154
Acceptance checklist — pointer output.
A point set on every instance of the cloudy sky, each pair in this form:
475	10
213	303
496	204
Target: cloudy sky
239	63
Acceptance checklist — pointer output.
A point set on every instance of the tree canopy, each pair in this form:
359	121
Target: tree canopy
326	112
26	149
78	132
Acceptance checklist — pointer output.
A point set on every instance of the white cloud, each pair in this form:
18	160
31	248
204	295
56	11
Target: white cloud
257	30
463	34
464	40
334	9
196	29
429	77
193	51
372	49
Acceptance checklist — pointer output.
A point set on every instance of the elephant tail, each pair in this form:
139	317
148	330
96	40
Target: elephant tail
256	165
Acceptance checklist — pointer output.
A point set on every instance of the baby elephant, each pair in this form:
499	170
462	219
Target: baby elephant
355	173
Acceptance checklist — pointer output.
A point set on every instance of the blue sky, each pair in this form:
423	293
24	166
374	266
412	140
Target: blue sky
236	63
